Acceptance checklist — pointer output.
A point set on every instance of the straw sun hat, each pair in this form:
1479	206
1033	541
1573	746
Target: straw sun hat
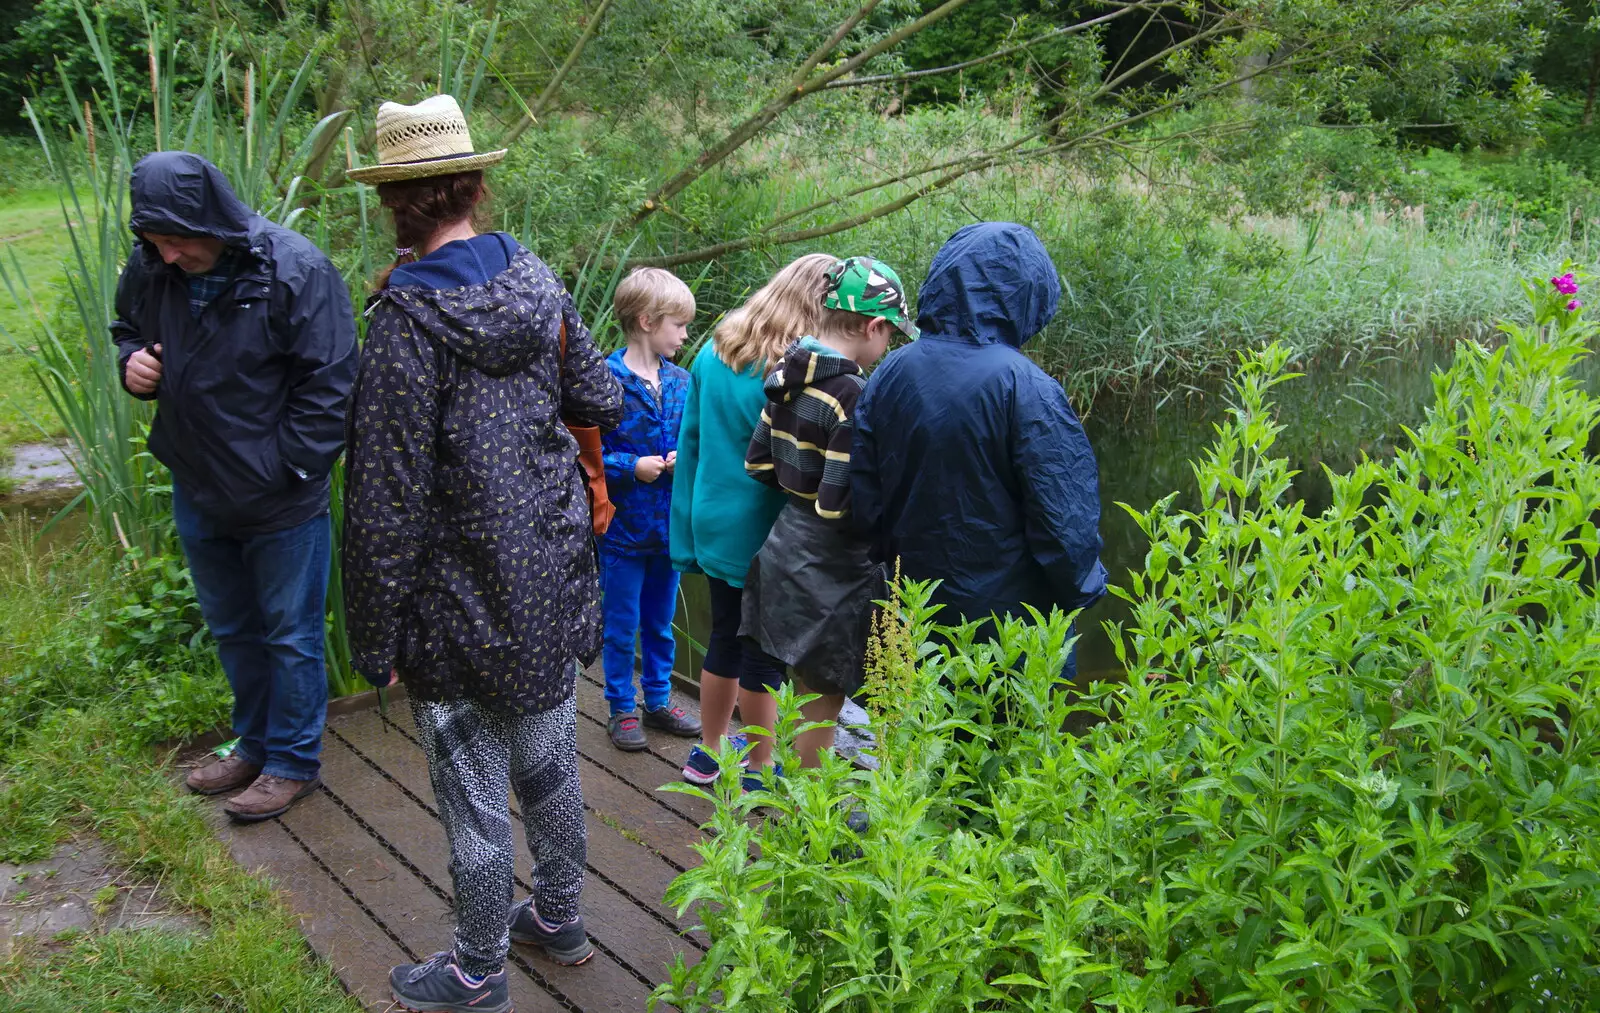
427	139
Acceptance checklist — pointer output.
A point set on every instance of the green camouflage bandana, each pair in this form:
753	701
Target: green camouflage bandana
871	288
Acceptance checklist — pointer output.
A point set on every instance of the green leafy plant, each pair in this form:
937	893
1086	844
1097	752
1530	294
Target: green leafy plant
1352	765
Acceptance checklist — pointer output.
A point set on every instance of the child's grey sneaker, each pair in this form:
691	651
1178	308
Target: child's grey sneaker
567	944
625	732
438	985
674	720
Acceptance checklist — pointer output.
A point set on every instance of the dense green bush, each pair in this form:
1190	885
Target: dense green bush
1352	765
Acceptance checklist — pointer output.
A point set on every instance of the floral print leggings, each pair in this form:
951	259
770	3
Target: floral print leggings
472	753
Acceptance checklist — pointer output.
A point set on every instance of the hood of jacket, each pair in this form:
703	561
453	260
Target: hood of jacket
992	282
498	325
804	363
176	193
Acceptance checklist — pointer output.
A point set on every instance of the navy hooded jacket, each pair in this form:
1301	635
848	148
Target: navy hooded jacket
250	408
969	465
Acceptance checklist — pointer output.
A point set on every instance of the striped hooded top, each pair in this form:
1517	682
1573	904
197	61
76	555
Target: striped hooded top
802	444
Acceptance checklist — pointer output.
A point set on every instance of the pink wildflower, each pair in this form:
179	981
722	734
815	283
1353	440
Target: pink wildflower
1565	284
1574	304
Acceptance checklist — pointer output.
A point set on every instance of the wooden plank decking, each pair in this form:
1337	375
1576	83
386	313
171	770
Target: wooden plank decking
365	865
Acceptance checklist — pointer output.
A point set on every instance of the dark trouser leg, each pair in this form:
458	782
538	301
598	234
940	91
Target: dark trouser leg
544	774
227	597
290	570
719	685
468	751
658	602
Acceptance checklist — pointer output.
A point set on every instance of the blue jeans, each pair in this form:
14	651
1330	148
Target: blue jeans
641	594
262	598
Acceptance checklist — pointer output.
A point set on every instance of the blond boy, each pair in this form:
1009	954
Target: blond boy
637	580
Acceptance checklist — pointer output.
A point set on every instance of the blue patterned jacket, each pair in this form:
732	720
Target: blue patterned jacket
649	428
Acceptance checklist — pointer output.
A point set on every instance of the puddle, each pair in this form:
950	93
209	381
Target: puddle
79	891
39	473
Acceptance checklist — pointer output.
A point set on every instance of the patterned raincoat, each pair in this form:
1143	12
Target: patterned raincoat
469	566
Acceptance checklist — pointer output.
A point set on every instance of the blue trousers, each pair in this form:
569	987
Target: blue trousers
262	598
641	594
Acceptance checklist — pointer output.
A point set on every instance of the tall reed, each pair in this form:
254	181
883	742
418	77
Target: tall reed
71	353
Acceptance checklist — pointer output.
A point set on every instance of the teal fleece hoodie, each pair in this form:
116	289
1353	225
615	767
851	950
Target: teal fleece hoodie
720	515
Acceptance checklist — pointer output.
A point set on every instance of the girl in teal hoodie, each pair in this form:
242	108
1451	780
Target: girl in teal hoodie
720	516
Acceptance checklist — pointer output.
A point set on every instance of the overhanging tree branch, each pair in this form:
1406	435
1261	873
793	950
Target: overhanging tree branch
549	92
798	89
960	168
858	191
802	235
912	75
1226	24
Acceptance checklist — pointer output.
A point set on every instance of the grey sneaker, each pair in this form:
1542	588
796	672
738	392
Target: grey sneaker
438	985
625	732
568	944
674	720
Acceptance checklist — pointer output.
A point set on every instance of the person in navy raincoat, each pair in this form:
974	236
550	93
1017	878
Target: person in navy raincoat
969	465
241	331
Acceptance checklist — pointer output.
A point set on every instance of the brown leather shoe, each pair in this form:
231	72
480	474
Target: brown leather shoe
268	796
227	774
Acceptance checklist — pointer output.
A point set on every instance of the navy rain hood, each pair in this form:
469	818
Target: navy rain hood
250	408
969	465
992	282
176	193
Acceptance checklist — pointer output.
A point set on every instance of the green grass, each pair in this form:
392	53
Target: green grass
32	236
78	763
78	773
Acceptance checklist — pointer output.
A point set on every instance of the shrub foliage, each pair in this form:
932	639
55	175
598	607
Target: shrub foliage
1352	765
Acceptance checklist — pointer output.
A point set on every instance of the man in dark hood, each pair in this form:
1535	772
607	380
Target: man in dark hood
242	332
969	465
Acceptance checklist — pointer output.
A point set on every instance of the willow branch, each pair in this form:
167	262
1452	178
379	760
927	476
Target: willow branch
1127	50
958	170
848	25
858	191
798	89
549	93
1227	24
802	235
912	75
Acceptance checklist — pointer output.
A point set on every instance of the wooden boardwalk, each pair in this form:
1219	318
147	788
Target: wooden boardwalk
365	865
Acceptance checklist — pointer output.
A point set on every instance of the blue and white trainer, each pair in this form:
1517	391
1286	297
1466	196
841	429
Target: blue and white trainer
702	768
439	985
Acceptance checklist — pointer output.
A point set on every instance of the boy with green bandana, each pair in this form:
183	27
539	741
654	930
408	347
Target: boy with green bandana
809	596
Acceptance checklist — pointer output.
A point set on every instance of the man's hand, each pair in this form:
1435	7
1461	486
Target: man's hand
144	371
672	461
648	469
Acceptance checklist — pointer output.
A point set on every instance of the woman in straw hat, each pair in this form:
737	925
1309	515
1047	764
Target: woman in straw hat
469	572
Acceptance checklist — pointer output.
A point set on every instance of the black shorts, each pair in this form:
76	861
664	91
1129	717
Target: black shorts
733	657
